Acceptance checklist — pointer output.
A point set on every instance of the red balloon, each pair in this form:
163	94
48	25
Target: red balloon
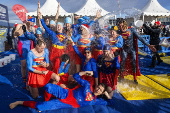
20	11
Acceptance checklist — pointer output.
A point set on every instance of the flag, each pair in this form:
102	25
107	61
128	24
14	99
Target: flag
20	11
4	12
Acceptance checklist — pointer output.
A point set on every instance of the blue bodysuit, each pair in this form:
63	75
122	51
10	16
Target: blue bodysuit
83	96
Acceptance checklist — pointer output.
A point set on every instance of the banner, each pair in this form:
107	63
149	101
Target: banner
4	12
3	31
20	11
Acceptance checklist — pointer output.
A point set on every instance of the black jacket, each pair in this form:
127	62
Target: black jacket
154	33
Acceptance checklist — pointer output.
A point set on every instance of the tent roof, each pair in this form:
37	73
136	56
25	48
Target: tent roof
49	9
153	8
90	9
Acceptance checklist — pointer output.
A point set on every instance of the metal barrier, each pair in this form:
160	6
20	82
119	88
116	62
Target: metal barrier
146	48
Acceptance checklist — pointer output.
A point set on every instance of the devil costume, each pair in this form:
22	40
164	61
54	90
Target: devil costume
68	98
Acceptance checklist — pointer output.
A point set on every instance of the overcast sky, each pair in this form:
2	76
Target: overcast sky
75	5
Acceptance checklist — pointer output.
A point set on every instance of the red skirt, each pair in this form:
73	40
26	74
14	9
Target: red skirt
63	79
96	53
70	51
55	53
109	79
38	80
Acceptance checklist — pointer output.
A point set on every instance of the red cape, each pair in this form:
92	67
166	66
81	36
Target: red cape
128	63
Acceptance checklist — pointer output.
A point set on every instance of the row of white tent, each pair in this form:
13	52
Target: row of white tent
50	8
152	8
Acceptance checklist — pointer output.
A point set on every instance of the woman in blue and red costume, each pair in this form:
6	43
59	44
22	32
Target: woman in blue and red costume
108	68
67	98
87	64
115	40
63	73
83	40
98	43
24	43
37	62
129	52
63	70
69	49
58	43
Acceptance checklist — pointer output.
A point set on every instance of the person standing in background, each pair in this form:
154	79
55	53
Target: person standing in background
154	33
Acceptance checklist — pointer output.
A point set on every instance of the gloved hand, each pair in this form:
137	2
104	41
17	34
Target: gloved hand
24	28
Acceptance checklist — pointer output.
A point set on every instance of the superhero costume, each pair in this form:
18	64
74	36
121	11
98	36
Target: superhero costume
98	48
116	45
68	98
82	43
129	53
58	43
33	63
108	71
63	73
87	66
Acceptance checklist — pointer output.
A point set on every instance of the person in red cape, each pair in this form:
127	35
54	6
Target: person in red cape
58	43
88	63
98	43
129	53
67	98
108	67
37	62
82	40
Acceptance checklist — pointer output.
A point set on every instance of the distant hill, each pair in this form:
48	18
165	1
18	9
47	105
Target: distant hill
6	24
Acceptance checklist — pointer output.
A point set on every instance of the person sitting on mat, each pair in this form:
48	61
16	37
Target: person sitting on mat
67	98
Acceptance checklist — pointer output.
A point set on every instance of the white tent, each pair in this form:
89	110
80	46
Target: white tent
49	9
153	8
90	9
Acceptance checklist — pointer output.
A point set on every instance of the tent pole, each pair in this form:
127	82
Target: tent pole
72	18
143	17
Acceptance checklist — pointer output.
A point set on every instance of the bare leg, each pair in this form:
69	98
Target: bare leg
77	68
23	68
14	104
72	67
63	86
34	92
55	77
